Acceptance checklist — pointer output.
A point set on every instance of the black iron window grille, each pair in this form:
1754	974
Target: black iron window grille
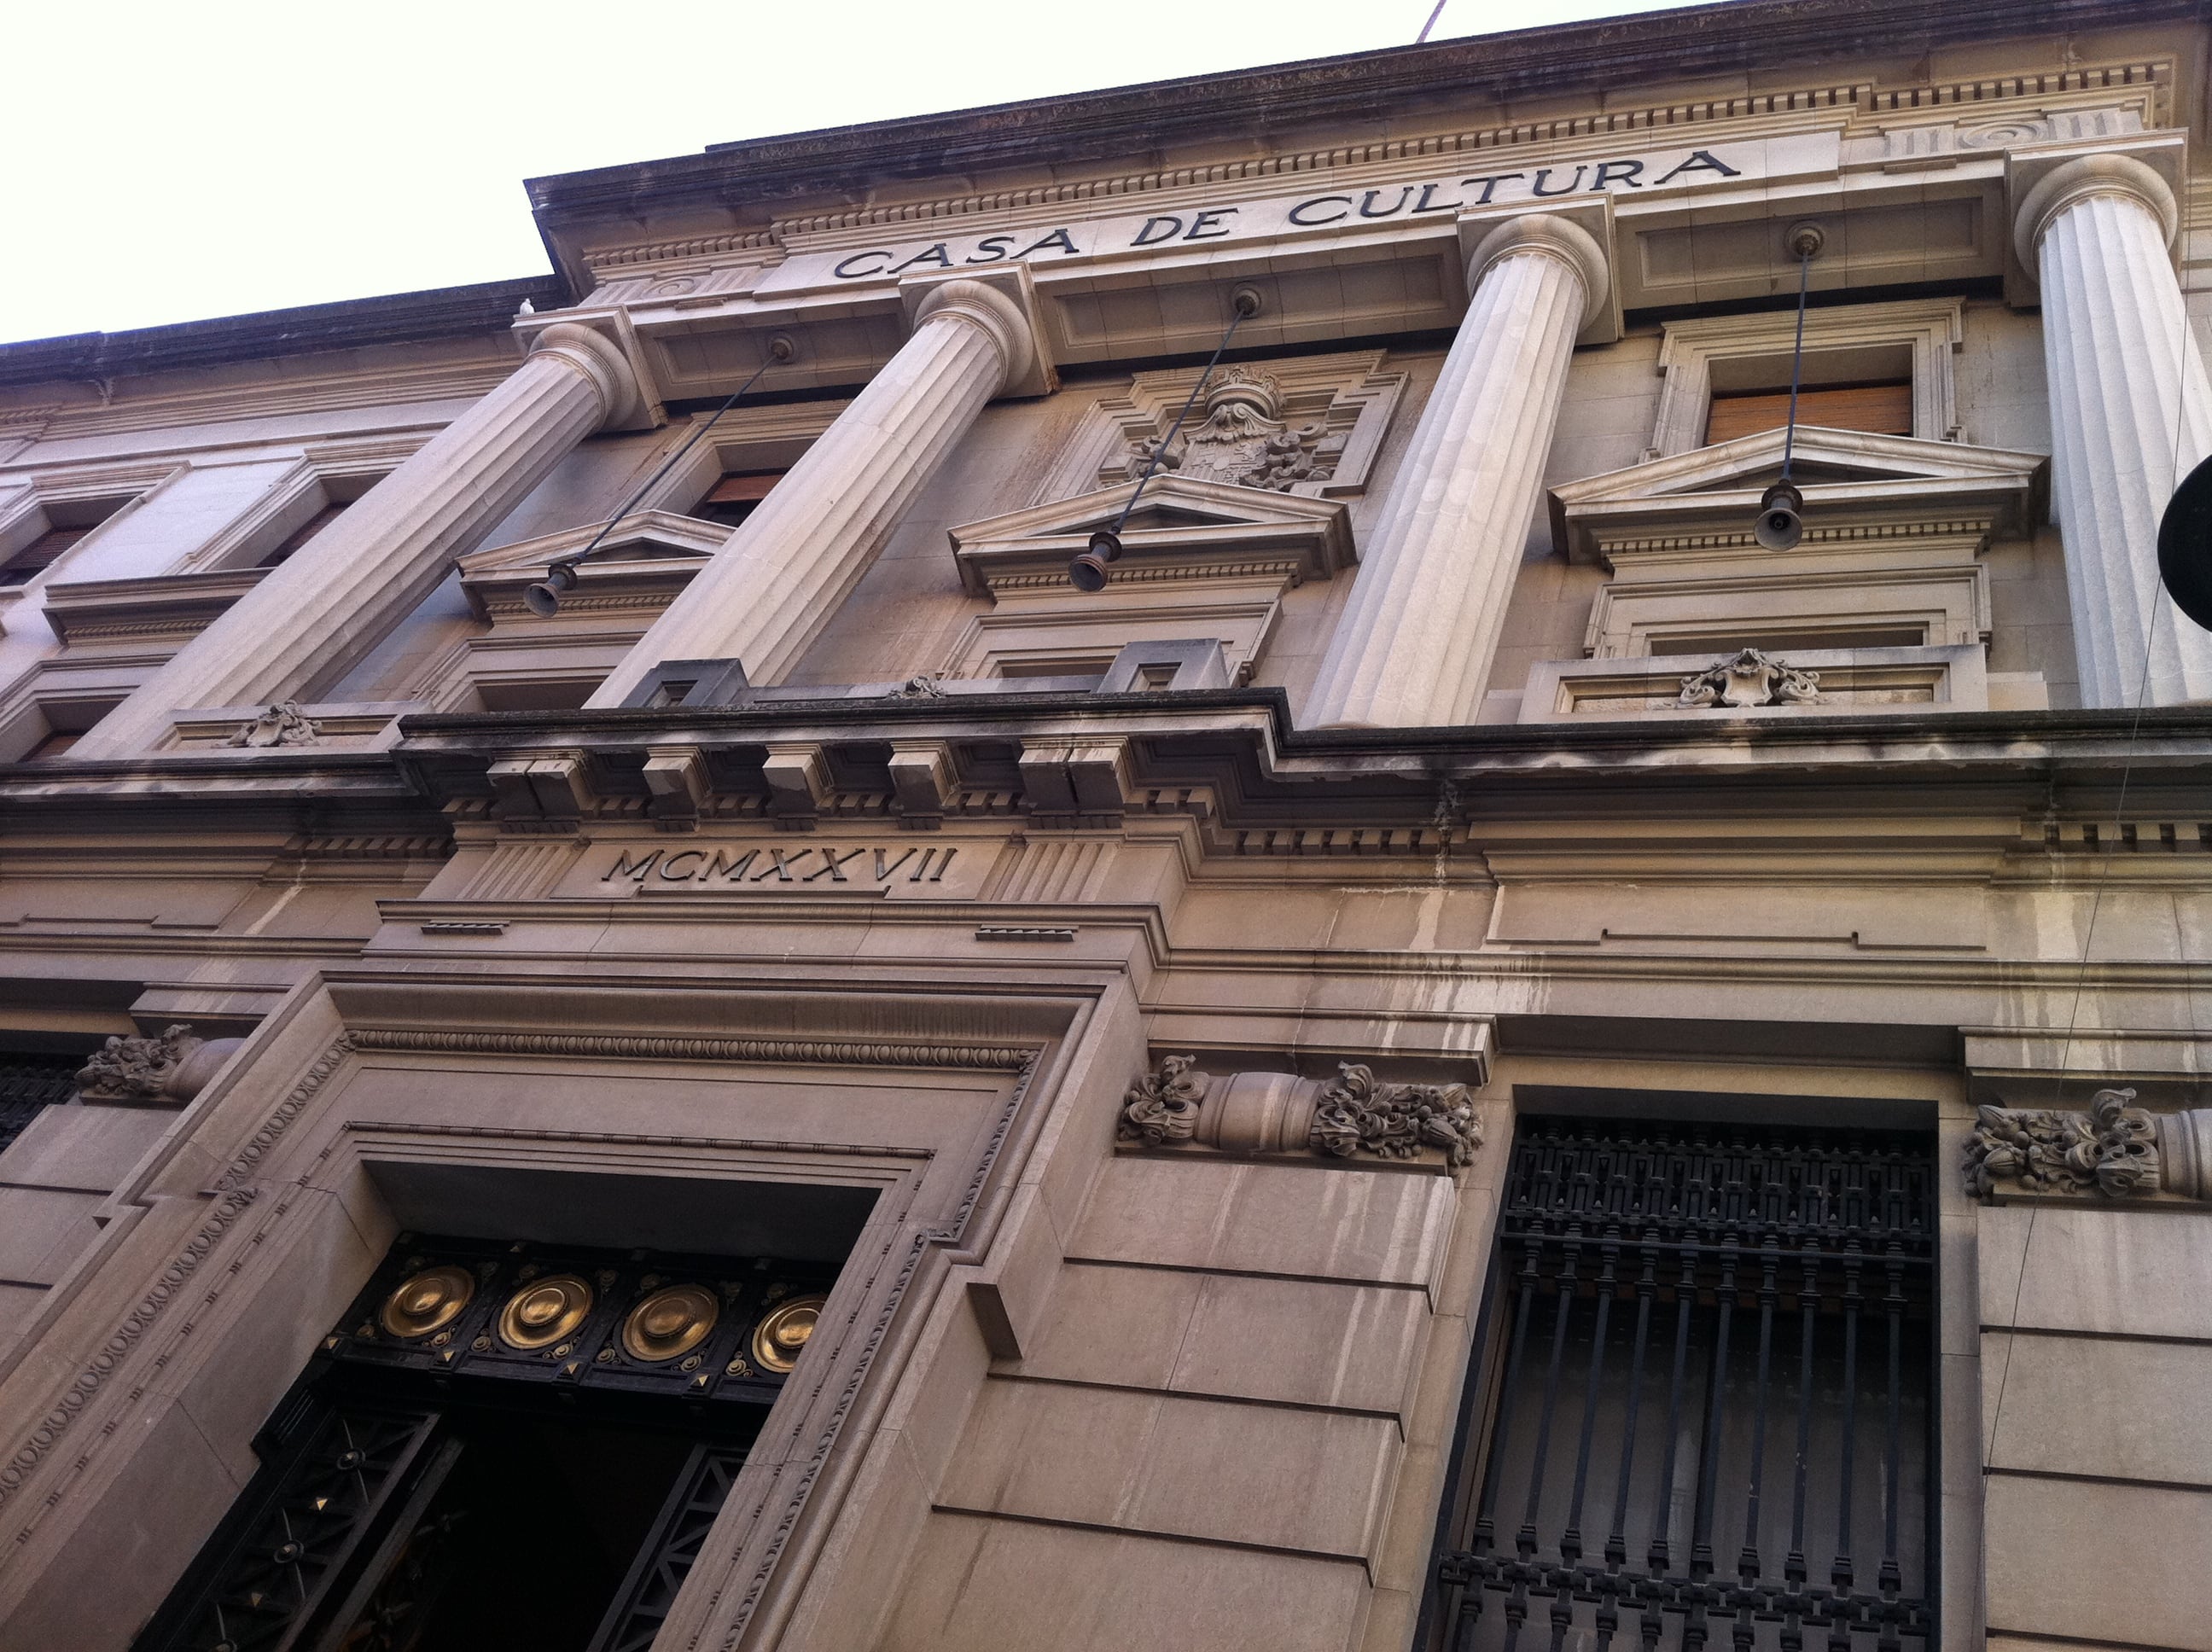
1705	1409
31	1083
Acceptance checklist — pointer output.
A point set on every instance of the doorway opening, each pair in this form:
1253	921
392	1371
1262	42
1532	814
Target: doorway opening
500	1446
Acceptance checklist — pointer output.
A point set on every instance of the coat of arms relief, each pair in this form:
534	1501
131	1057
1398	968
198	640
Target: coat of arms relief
1244	440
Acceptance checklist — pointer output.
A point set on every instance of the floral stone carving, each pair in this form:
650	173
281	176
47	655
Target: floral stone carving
170	1068
1175	1104
1243	443
2115	1149
1750	678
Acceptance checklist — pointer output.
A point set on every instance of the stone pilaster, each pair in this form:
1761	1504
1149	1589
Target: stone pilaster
1414	645
765	594
2131	416
316	614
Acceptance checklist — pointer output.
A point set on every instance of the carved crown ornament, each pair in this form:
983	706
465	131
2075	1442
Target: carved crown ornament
1346	1117
2112	1151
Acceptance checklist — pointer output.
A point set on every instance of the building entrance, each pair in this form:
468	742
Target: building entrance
499	1446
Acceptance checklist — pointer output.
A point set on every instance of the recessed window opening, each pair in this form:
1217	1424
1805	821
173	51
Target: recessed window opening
736	497
1881	407
1054	665
1901	634
536	693
340	495
1703	1414
68	521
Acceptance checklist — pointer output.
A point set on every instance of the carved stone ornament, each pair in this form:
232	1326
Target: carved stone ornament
1750	678
918	688
2114	1150
284	724
1276	1113
170	1068
1243	443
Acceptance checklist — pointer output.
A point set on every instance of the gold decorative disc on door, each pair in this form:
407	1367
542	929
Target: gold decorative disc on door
779	1339
429	1299
670	1322
544	1311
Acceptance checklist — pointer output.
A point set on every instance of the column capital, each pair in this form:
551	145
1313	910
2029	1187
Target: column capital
1578	234
626	400
1001	304
2042	185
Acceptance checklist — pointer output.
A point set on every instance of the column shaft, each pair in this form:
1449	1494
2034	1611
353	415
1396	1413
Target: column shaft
305	625
1414	645
2131	416
766	593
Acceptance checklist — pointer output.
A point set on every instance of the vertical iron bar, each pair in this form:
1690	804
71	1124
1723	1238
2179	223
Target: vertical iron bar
1570	1538
1525	1541
1889	1579
1701	1593
1748	1566
1486	1519
1840	1575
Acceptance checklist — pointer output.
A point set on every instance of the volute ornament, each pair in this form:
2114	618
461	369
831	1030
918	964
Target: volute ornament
1163	1106
1246	1113
2112	1150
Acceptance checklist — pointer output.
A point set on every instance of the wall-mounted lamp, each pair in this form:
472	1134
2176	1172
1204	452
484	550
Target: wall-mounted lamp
1086	570
1779	525
543	599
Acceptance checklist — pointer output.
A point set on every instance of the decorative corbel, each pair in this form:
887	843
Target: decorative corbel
2114	1150
170	1069
1245	1112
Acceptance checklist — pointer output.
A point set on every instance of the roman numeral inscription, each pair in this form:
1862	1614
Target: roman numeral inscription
907	869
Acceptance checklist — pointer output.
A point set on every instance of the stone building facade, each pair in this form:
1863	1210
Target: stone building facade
628	1020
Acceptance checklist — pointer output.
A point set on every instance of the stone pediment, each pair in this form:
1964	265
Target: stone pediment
641	565
1858	487
1183	528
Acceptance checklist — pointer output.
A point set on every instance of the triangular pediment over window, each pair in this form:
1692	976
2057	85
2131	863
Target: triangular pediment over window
642	564
1180	526
1857	485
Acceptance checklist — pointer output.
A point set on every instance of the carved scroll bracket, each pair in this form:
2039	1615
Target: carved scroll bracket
1247	1112
2114	1151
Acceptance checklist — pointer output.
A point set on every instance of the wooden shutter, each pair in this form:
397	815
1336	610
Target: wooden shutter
741	489
1884	409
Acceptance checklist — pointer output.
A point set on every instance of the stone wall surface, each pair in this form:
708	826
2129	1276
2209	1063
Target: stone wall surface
863	945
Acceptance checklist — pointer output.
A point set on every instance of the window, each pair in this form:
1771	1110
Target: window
30	1083
734	498
1884	408
67	522
306	531
1705	1402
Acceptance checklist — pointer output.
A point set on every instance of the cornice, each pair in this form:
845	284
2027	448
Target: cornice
1592	57
487	307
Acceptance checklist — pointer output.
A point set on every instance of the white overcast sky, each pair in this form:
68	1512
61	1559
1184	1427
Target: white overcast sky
169	162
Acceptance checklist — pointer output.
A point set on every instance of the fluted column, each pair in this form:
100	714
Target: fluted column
315	615
1414	645
2131	416
763	598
